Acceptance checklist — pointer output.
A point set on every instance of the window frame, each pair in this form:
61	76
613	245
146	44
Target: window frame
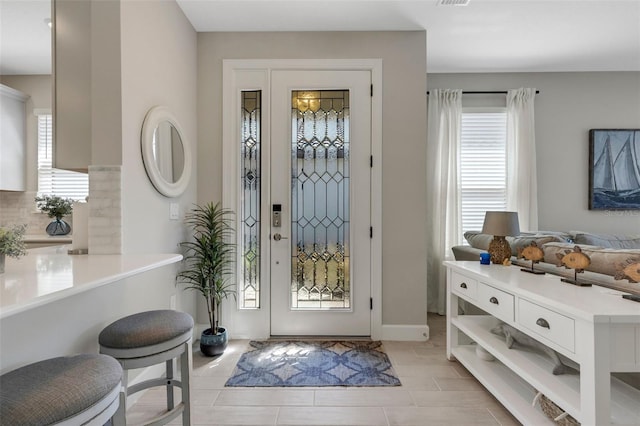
50	180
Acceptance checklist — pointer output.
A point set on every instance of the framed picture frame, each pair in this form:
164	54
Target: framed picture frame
614	169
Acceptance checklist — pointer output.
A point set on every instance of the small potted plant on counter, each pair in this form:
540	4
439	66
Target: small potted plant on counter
208	267
11	243
56	207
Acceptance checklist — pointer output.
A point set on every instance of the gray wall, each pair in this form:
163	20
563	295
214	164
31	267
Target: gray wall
569	104
159	67
404	135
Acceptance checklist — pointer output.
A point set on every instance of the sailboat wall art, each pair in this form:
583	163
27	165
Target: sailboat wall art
614	169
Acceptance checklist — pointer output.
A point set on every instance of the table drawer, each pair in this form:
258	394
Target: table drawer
464	285
549	324
496	302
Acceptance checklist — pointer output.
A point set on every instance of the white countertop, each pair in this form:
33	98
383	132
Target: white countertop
44	238
48	274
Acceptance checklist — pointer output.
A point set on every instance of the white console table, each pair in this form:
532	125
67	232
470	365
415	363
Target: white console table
593	327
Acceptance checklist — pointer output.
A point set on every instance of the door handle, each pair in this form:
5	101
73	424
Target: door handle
278	237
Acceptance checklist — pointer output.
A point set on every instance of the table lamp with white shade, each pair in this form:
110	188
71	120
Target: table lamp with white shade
500	225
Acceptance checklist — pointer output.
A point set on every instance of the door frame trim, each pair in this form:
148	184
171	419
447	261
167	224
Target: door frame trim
255	323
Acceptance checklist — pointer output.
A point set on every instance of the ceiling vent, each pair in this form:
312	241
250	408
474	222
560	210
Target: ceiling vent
453	2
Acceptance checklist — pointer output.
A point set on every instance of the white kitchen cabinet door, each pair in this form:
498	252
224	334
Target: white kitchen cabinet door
13	145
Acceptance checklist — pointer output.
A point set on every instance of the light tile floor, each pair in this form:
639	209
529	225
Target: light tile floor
434	392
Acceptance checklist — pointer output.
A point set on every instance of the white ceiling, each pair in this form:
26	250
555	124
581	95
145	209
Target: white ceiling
25	38
485	36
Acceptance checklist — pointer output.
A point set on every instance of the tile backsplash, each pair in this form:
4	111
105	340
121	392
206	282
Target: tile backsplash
17	208
105	211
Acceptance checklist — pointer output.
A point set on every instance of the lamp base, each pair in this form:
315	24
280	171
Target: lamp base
499	249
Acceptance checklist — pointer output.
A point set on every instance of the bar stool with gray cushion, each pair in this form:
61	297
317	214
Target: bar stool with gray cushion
149	338
74	390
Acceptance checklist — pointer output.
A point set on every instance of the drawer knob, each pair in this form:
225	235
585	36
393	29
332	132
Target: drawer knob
494	301
463	285
543	323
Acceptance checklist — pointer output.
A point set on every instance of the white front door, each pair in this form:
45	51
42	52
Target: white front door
320	182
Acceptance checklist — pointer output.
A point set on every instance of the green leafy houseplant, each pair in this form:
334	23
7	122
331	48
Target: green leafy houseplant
54	206
58	207
210	257
11	243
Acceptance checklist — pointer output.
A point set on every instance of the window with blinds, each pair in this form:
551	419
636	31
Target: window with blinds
483	165
52	181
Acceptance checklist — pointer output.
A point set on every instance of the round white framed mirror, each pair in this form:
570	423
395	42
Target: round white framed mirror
165	152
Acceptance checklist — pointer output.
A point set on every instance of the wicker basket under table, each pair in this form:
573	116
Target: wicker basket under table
554	412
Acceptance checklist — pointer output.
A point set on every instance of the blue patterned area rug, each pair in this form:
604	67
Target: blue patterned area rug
314	363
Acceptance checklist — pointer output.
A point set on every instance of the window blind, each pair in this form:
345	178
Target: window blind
483	166
51	181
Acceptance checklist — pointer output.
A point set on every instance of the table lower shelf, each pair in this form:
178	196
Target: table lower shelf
508	388
517	375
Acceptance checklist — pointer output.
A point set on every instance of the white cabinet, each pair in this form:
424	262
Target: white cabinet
88	91
593	328
464	285
543	323
72	71
496	302
13	136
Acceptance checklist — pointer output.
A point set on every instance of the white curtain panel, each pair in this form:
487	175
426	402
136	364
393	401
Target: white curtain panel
522	192
444	219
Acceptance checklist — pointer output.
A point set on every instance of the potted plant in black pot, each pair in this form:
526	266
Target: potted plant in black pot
208	267
56	207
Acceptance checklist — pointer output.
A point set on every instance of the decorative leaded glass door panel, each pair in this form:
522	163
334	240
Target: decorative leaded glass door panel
320	180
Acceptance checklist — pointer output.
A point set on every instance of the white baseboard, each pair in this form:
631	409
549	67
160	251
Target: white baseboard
198	329
414	333
407	332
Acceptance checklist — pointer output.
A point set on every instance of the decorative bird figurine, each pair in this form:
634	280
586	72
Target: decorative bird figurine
629	270
533	253
574	259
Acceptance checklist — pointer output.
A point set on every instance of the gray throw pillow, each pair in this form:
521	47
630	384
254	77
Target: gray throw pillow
478	240
481	241
610	241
